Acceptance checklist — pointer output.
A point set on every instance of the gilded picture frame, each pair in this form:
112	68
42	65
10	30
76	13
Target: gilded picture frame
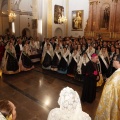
58	12
77	20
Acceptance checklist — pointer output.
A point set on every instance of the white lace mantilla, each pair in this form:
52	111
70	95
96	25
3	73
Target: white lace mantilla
2	117
70	107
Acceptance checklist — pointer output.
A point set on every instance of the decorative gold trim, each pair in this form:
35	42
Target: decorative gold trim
67	12
92	2
49	19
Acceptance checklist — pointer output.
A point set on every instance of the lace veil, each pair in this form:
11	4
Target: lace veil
2	117
70	107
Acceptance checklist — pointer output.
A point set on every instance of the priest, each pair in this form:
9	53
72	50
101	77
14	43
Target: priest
109	105
91	78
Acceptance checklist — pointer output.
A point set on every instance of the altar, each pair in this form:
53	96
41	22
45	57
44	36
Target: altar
103	20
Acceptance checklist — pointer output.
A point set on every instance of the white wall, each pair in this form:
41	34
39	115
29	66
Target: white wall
17	25
25	5
73	5
24	23
4	24
44	19
21	21
77	5
4	21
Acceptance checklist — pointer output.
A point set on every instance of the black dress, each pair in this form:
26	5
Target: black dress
103	66
18	52
56	60
26	61
47	60
63	65
12	63
89	85
72	67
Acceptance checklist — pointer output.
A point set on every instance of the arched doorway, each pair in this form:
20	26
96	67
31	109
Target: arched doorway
58	32
26	32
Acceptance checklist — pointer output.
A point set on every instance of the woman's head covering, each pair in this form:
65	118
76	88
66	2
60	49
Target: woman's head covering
70	107
2	117
68	99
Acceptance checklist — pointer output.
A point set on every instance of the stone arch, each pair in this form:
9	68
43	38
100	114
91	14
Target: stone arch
26	32
58	32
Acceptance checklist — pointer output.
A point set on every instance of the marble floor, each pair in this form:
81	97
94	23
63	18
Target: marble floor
36	92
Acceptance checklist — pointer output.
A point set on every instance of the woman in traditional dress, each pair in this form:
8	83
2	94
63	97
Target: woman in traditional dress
45	46
104	60
73	64
9	62
64	62
56	58
117	51
25	61
47	57
81	66
70	107
79	49
98	49
33	47
90	50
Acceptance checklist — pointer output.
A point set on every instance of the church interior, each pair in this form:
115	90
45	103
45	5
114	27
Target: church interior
26	79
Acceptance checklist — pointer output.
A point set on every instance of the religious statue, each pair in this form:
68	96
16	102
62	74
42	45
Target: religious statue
106	16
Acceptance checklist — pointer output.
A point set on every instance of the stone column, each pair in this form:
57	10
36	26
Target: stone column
35	18
112	16
97	16
115	15
94	17
10	22
90	17
67	14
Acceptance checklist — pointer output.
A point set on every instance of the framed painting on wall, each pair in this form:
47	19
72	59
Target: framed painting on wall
77	20
34	23
58	11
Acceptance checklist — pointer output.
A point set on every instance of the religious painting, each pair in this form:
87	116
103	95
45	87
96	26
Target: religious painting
58	12
105	15
77	20
34	23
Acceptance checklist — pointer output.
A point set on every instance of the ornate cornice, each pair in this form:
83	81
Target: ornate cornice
94	2
115	1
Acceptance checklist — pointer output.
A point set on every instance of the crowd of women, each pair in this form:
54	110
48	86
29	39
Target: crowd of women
15	54
70	55
65	55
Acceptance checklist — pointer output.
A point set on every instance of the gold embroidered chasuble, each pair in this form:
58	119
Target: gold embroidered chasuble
109	105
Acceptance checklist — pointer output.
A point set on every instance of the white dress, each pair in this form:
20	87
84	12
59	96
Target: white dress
70	107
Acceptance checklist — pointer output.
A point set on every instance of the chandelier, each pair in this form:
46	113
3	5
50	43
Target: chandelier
12	16
62	19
